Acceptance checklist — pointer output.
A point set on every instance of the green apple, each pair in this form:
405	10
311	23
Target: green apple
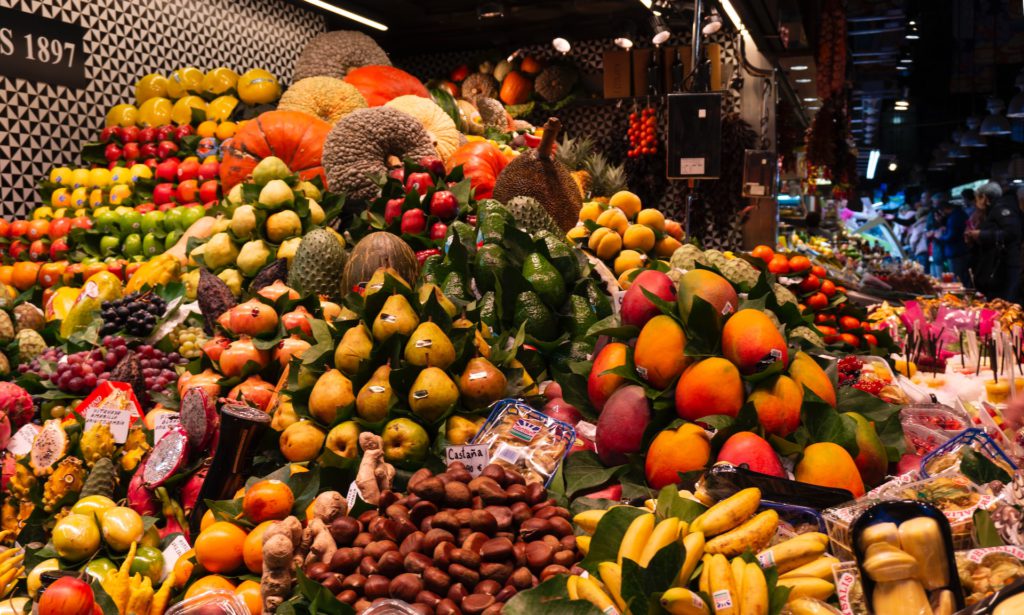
151	245
152	222
130	222
109	244
132	245
343	440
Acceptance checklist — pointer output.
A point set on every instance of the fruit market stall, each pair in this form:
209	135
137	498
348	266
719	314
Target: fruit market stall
362	343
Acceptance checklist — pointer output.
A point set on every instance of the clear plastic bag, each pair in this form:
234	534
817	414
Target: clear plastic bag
524	439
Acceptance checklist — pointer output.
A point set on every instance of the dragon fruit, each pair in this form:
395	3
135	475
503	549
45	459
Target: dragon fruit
16	404
190	490
198	416
48	447
140	498
168	456
97	443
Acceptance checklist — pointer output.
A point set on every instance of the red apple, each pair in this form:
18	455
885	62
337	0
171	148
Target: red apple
81	222
163	193
164	132
129	134
110	132
209	170
167	170
433	165
183	131
418	183
393	210
438	230
38	250
151	163
188	190
131	151
112	152
209	191
444	205
414	222
147	150
166	206
59	249
59	227
16	249
398	173
145	208
166	149
187	170
147	134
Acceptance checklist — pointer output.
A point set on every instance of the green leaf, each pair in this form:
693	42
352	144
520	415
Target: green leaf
980	469
102	598
642	587
824	424
550	596
584	471
671	504
321	600
605	545
611	327
777	594
985	530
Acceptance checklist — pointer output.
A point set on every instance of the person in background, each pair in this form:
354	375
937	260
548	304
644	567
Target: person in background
917	238
952	238
997	268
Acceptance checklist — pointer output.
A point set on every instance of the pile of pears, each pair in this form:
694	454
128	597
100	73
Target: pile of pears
445	379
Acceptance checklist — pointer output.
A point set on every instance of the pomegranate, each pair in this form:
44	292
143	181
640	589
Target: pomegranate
275	290
238	353
254	390
207	380
67	596
292	346
250	318
298	319
214	346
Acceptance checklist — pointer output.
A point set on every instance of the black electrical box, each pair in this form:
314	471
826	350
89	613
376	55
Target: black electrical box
694	136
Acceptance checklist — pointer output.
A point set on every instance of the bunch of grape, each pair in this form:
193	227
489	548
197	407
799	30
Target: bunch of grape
188	340
35	366
158	367
83	371
136	314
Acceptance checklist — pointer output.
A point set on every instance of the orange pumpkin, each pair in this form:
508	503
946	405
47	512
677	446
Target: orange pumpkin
481	162
530	65
295	137
516	88
379	84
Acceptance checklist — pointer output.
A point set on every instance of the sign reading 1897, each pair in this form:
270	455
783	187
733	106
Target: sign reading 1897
39	49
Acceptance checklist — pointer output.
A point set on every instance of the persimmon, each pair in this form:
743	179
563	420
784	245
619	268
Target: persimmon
763	252
213	582
799	264
267	500
779	264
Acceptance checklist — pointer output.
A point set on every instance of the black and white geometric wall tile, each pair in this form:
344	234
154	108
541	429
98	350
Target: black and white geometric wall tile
44	125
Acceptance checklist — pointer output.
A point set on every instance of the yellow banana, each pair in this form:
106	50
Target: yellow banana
588	520
571	587
791	553
753	534
681	601
724	599
611	576
636	536
8	554
810	606
12	562
754	593
664	534
820	568
808	586
650	504
729	513
702	582
694	544
738	566
943	603
590	591
583	544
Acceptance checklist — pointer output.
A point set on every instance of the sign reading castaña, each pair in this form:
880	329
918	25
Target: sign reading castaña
35	48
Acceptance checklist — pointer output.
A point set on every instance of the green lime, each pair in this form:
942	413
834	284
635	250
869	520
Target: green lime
174	218
107	222
99	568
191	214
152	222
148	562
151	245
132	245
171	239
109	245
130	222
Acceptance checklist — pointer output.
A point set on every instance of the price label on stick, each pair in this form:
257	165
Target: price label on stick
165	421
118	420
474	456
178	547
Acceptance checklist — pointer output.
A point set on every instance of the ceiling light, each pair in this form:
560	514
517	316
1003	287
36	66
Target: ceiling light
906	60
995	123
803	80
712	23
661	31
1016	108
912	36
912	22
873	163
490	10
810	99
647	3
798	67
971	138
731	13
893	166
561	45
624	42
337	10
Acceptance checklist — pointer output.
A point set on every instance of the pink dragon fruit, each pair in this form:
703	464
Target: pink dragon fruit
16	404
190	490
140	498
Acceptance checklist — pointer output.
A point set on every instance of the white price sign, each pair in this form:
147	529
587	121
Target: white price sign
474	456
118	420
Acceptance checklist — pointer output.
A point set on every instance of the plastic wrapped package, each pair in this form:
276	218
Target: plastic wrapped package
985	571
524	439
948	455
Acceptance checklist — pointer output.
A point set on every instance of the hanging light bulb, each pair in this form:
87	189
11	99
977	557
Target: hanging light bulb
712	23
626	38
1016	108
561	45
971	138
995	123
660	29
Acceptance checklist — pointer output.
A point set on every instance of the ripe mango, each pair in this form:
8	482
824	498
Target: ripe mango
712	386
600	386
620	428
637	309
827	464
871	460
676	450
806	371
710	287
778	405
751	341
660	351
746	447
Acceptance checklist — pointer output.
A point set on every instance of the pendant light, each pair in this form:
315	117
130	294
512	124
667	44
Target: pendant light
1016	108
971	138
995	124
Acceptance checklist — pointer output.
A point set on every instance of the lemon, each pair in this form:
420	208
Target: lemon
188	80
628	202
182	112
42	213
96	197
220	81
60	175
220	108
79	197
99	178
80	178
155	111
119	193
258	87
140	171
122	115
120	175
639	237
150	86
652	218
614	219
590	211
626	260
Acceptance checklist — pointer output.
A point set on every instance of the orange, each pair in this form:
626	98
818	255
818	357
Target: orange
252	550
828	287
267	499
25	274
207	128
183	568
309	512
51	273
779	264
249	592
226	130
817	301
219	547
207	520
763	252
208	584
37	229
798	264
6	274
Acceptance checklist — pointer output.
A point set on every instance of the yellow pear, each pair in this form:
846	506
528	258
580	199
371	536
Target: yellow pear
397	316
354	348
284	414
481	383
375	396
432	393
478	339
460	428
343	440
331	393
376	281
428	346
446	304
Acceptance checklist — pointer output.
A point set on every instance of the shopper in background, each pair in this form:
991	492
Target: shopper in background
917	238
997	266
951	237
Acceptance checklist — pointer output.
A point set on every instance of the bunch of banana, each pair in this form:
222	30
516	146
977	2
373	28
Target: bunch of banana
589	589
731	526
11	568
735	588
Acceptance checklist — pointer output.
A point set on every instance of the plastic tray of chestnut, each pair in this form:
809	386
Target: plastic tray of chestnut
454	544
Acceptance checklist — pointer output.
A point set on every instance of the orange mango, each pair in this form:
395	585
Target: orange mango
751	341
660	351
778	405
712	386
827	464
806	371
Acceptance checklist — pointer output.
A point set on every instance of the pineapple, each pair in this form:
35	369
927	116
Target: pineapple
607	179
573	154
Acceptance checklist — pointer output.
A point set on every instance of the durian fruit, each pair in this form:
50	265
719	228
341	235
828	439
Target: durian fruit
555	82
530	216
97	443
67	478
333	54
327	98
537	174
477	85
318	264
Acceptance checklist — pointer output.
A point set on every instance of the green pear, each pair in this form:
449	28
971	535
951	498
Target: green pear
397	316
446	304
354	348
220	251
432	393
428	346
331	393
481	383
376	281
375	396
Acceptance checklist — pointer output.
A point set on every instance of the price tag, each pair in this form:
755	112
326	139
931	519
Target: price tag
118	420
474	456
353	495
21	443
178	547
165	421
37	48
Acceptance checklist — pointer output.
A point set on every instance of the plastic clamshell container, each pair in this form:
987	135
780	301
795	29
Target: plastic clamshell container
974	438
723	480
991	604
215	602
897	512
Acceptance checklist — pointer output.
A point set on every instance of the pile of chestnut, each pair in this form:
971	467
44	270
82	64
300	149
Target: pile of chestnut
455	544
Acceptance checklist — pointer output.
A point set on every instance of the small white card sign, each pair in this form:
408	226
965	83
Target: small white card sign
165	421
474	456
21	442
178	547
119	421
